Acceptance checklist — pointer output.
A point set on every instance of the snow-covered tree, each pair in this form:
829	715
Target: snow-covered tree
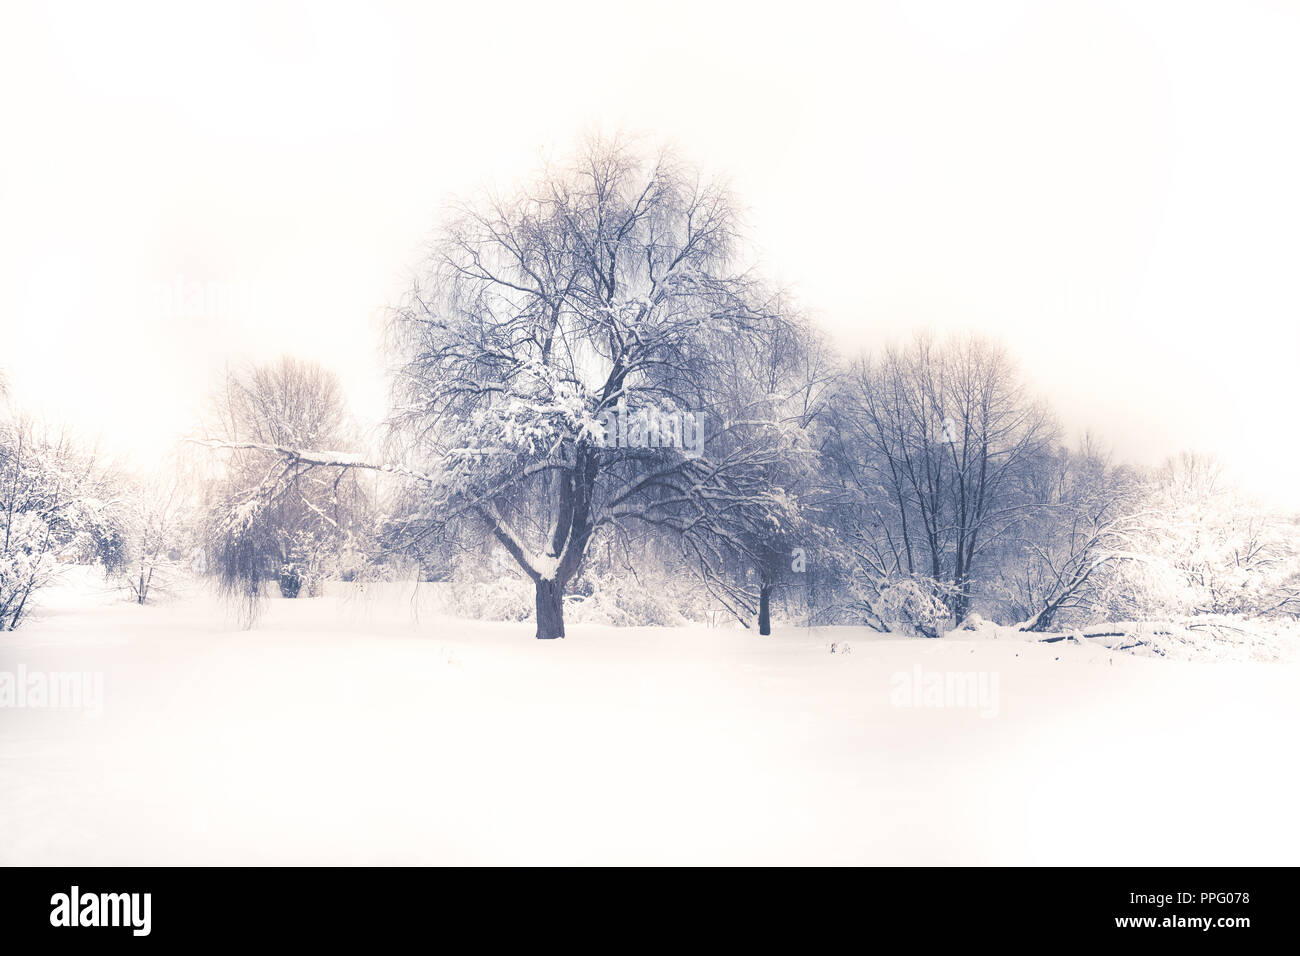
567	359
271	517
1075	530
565	369
784	390
159	533
56	504
1198	545
934	440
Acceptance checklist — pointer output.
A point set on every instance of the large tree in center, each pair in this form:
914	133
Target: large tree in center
565	362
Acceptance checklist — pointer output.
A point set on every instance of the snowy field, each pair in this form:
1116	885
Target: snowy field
348	731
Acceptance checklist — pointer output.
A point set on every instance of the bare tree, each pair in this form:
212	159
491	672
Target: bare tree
936	438
272	517
157	529
786	388
1079	523
565	360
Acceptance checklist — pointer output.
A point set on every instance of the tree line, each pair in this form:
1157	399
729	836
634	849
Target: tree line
908	490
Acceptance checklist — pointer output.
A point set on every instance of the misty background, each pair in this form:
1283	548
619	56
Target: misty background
1071	178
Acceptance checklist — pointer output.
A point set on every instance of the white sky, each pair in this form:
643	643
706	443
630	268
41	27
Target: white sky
1110	187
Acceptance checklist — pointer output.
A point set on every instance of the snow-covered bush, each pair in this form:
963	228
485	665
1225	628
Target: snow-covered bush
1198	546
495	597
913	605
55	505
627	600
27	563
155	532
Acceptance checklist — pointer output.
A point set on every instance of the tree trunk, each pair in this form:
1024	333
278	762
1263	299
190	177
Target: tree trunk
960	602
550	609
765	609
1041	621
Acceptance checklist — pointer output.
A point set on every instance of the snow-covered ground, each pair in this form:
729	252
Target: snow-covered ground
345	731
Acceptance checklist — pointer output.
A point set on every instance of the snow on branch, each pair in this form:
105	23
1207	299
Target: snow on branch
324	459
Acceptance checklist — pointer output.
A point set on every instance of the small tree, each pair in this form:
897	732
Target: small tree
270	518
157	530
783	391
55	502
1067	543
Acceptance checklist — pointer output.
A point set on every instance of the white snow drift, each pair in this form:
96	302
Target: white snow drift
351	731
